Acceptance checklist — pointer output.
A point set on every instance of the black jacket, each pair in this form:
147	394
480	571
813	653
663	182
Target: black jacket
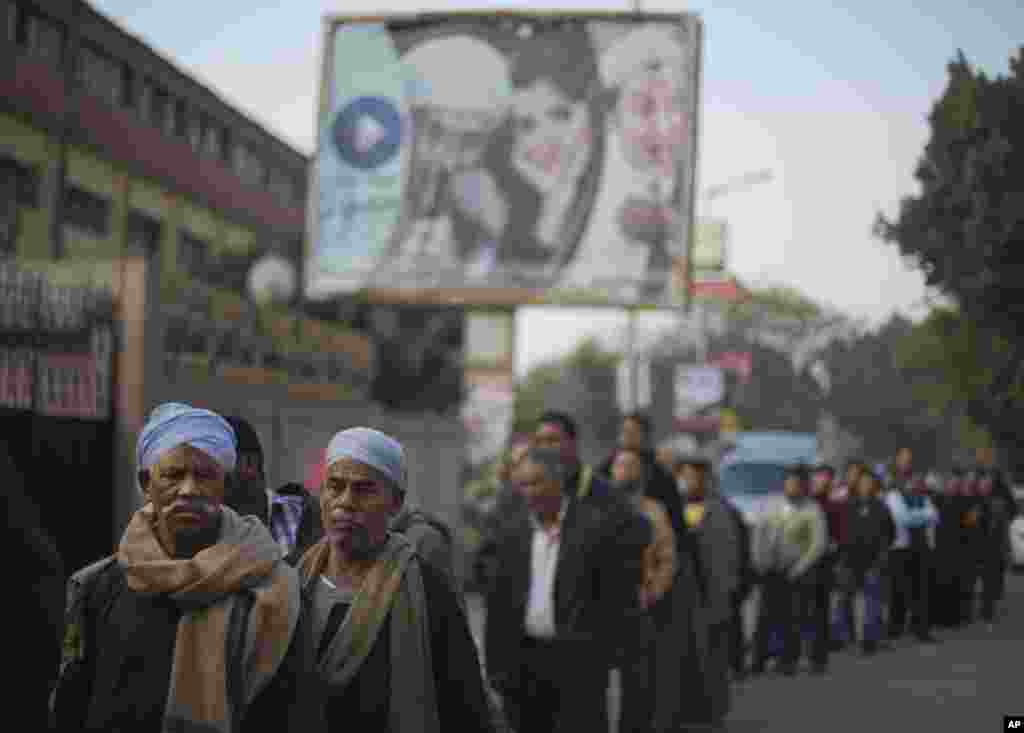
123	681
869	532
600	569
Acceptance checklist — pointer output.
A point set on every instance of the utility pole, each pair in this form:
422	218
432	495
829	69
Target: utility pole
711	193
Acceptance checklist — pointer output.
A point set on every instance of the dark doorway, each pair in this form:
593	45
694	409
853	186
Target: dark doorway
68	466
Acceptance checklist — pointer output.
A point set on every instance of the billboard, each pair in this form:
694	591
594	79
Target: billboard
506	157
709	245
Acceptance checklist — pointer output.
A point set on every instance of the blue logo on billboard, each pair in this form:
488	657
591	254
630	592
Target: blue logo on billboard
367	132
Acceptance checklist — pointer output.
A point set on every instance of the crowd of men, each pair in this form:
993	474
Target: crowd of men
856	563
231	606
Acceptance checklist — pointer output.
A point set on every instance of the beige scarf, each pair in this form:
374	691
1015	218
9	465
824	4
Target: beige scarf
245	558
395	585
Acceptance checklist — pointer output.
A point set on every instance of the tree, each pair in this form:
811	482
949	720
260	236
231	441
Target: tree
963	363
965	230
582	384
869	394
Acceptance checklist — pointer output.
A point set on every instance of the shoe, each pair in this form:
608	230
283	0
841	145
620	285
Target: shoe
789	670
869	648
927	639
820	669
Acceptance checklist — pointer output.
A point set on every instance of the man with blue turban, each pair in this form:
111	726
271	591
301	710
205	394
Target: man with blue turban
393	645
196	623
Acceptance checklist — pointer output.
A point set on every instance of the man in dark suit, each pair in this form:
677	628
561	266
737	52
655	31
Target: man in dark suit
292	515
563	608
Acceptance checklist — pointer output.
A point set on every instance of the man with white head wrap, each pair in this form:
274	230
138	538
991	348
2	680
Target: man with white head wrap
393	644
196	623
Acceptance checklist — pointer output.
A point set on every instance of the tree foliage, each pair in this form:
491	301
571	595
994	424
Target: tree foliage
582	384
965	230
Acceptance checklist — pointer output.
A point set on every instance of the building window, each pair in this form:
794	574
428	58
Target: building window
39	36
247	166
159	108
22	25
181	119
195	131
142	232
211	141
86	211
282	187
129	88
26	181
193	254
144	102
100	74
224	149
49	40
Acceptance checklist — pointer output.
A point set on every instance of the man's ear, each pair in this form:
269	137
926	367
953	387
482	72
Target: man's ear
144	481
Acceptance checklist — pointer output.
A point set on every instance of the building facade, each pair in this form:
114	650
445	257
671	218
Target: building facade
114	161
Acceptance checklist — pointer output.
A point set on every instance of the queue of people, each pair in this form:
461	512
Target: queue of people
875	557
232	606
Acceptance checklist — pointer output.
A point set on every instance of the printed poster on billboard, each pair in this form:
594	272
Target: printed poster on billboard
506	157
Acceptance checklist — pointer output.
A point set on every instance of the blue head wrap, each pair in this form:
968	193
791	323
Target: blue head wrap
371	448
173	424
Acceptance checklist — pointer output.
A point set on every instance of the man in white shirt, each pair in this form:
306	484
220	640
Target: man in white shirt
563	608
915	518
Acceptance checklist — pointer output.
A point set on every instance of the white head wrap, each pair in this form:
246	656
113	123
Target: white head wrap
173	424
371	448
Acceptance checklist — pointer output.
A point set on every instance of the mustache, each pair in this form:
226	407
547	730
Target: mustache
191	506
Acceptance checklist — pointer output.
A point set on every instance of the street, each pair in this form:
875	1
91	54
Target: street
966	683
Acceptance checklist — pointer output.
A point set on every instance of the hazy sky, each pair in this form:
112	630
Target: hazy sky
833	99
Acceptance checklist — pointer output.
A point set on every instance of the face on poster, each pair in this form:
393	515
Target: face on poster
516	152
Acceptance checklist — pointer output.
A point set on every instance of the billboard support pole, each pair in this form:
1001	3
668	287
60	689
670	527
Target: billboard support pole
631	360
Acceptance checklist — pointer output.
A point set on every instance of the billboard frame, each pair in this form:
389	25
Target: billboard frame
484	297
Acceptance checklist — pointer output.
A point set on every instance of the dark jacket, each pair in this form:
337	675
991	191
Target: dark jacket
36	609
599	573
364	704
432	539
311	527
869	533
122	684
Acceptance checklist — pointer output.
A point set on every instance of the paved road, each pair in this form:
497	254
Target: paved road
965	684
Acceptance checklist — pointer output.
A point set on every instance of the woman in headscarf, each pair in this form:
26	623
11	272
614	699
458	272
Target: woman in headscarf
392	642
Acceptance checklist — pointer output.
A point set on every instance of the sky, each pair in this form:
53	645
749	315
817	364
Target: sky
832	98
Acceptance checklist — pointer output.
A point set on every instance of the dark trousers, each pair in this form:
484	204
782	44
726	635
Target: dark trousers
792	605
910	578
557	692
993	582
638	692
737	638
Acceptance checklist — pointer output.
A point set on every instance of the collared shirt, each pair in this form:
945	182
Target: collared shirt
917	513
540	606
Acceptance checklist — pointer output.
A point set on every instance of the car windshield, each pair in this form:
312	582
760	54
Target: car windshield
752	478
